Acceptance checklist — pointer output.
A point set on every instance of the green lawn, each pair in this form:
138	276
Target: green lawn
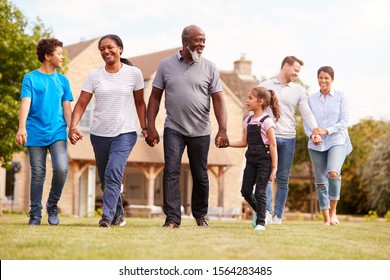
145	239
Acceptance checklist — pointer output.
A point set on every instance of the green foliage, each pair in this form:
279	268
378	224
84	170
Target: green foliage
387	216
375	174
99	212
17	58
372	216
353	198
301	151
299	196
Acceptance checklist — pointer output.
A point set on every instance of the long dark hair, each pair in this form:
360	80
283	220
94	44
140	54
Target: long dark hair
118	42
270	99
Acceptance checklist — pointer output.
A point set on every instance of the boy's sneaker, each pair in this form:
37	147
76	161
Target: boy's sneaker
276	220
34	221
260	227
118	221
254	223
104	222
268	218
52	213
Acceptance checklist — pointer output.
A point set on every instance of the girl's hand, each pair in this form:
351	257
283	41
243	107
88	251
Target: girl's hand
272	177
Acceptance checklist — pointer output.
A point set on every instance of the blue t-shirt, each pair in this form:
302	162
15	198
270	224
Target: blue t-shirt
45	121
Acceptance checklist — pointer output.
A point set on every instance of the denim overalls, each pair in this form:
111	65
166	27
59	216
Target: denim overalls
257	170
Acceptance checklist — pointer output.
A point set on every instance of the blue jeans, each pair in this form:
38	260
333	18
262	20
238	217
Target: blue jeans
197	151
111	154
59	158
323	163
286	149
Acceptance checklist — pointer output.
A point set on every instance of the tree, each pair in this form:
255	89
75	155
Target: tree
353	195
375	175
17	58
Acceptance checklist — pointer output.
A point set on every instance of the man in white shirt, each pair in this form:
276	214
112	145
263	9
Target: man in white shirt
290	96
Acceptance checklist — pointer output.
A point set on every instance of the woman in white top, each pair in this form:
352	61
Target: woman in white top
330	109
119	92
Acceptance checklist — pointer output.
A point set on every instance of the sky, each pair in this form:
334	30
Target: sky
352	36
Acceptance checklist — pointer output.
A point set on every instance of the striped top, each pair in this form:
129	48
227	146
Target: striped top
114	112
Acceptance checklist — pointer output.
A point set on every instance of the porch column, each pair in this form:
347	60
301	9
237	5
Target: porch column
219	175
151	174
79	169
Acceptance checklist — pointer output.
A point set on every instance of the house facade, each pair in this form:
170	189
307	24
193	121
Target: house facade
142	182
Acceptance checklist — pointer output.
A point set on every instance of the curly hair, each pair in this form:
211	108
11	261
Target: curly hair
47	46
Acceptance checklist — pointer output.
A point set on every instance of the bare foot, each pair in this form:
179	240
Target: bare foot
334	220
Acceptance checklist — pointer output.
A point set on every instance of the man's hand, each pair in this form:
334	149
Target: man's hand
152	138
316	138
221	140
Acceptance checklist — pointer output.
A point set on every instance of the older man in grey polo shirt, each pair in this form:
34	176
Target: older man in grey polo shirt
190	82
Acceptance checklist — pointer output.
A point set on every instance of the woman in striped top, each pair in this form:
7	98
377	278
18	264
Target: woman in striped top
119	94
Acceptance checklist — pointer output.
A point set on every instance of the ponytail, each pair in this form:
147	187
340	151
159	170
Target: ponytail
126	61
274	104
269	96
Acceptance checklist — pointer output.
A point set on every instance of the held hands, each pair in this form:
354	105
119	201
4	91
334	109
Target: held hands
75	135
221	140
316	135
320	131
151	136
316	138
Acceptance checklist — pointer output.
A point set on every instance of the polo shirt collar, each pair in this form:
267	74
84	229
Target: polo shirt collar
180	57
276	81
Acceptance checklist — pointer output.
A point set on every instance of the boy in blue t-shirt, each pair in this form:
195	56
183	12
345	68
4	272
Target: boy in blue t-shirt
44	115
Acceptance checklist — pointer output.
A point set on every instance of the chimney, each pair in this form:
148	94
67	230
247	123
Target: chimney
243	66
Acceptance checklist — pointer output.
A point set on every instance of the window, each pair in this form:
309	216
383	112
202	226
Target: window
86	120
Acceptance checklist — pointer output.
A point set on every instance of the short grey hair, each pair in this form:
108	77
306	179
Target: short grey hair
186	31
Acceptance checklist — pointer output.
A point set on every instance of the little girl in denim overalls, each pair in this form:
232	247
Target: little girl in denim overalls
261	155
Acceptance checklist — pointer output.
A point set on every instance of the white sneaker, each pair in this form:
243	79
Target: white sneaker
268	218
276	220
260	227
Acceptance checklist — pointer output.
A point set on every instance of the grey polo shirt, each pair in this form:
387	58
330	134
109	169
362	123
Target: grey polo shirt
188	88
